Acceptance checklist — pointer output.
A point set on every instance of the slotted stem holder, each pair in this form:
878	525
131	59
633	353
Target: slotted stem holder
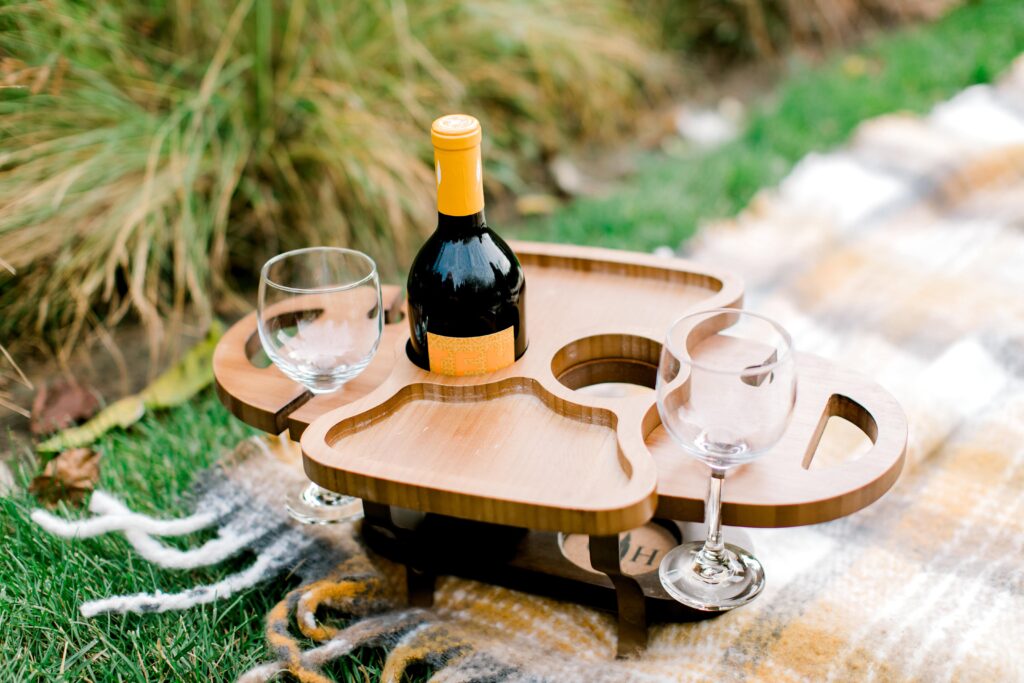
533	478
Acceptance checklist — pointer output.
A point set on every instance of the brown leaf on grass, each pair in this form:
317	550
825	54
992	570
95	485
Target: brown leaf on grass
61	404
69	477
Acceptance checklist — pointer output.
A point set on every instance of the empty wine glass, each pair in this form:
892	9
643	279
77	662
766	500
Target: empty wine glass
320	320
726	389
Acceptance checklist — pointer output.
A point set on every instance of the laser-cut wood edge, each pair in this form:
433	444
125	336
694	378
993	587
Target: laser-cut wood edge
609	508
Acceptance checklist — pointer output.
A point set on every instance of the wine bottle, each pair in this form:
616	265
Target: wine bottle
466	291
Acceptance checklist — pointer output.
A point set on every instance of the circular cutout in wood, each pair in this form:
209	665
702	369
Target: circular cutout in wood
608	364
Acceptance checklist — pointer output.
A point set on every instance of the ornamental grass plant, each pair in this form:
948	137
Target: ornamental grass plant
153	155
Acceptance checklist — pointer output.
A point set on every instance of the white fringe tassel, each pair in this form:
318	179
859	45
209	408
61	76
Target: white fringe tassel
113	515
123	520
212	552
163	602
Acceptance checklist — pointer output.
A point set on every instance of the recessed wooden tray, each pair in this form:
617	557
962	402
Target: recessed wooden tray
520	447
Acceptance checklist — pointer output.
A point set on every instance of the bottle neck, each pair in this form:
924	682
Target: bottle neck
461	225
460	187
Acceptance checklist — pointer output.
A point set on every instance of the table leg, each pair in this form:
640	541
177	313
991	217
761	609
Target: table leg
420	583
419	579
629	596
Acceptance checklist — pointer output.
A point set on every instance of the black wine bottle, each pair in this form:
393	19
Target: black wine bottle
467	293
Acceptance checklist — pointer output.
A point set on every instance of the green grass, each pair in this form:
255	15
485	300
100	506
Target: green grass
43	580
815	108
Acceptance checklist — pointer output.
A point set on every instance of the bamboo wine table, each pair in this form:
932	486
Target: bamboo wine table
527	478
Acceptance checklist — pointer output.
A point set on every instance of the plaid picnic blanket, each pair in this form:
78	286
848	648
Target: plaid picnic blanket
902	256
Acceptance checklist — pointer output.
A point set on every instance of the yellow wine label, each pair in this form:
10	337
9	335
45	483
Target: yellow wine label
461	356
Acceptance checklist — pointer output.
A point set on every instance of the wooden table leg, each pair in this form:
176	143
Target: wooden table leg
629	596
420	580
420	584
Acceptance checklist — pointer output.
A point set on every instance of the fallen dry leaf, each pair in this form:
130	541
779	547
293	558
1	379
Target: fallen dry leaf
175	386
123	413
61	404
68	477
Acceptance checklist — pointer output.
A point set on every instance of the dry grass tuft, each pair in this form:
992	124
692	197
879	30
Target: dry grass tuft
10	373
150	159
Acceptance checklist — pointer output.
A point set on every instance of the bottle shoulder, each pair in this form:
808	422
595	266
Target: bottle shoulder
480	260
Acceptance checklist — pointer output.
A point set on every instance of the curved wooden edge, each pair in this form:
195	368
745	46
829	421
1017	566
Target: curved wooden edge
777	490
782	488
264	397
533	516
728	288
624	345
261	397
633	505
388	360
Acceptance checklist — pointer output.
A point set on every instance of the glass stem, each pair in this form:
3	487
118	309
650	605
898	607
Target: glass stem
713	552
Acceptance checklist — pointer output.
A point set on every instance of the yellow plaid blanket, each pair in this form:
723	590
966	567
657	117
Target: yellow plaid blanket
901	256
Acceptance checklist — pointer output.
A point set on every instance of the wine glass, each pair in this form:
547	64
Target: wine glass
320	320
726	389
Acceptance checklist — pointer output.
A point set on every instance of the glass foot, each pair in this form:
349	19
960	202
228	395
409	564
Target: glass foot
316	505
711	587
